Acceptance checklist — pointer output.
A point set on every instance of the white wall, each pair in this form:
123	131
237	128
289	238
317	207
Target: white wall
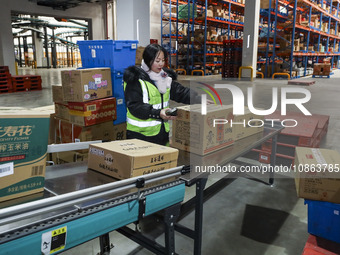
95	12
128	12
125	24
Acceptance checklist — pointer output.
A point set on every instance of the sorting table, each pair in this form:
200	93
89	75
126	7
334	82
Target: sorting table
221	157
79	204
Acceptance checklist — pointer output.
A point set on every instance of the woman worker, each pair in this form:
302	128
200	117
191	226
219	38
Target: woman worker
148	90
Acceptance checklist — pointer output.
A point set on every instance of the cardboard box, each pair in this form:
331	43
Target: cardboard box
119	132
92	112
23	147
69	156
251	124
62	111
322	185
194	132
57	93
52	136
130	158
139	55
266	4
66	132
83	85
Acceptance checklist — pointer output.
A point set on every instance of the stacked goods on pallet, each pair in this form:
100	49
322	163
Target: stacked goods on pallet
309	132
321	70
5	80
117	55
317	181
232	58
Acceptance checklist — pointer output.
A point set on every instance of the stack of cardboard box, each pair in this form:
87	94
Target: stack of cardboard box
85	110
317	181
322	69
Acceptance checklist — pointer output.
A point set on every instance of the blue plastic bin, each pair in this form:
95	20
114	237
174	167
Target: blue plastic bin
117	84
121	111
117	55
324	219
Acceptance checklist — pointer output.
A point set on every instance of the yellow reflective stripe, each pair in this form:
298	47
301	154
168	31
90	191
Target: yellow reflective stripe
137	123
145	92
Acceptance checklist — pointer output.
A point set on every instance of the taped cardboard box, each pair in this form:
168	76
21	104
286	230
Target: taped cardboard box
196	133
57	93
66	132
23	148
247	124
92	112
266	4
62	111
69	156
52	133
130	158
317	174
139	55
84	85
119	132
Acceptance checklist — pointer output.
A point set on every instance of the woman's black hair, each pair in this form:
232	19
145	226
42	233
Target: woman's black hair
150	53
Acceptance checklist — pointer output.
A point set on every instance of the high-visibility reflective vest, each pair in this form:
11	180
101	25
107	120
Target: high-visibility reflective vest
151	95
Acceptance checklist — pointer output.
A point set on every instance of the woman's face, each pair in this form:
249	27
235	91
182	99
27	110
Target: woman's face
158	64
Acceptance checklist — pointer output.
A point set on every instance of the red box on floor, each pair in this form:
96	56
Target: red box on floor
320	246
92	112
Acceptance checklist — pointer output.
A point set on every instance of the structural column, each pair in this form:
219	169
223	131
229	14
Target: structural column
133	21
38	49
6	39
250	36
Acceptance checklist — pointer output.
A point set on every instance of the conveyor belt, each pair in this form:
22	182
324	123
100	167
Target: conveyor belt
87	213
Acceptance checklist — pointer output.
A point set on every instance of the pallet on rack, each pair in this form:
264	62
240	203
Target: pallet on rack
305	82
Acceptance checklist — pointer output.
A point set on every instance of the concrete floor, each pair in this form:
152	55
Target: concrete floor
246	217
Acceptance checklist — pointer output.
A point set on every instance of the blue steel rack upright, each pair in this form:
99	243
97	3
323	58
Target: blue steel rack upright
318	40
196	52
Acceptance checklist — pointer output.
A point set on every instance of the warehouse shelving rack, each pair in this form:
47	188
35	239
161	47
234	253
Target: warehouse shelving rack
326	11
168	36
283	16
189	57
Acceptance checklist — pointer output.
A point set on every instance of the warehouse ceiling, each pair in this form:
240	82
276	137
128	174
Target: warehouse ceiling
61	29
63	4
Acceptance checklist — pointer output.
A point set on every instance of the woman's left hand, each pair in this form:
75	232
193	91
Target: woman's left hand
166	117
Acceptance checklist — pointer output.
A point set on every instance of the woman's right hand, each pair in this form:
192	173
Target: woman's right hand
166	117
